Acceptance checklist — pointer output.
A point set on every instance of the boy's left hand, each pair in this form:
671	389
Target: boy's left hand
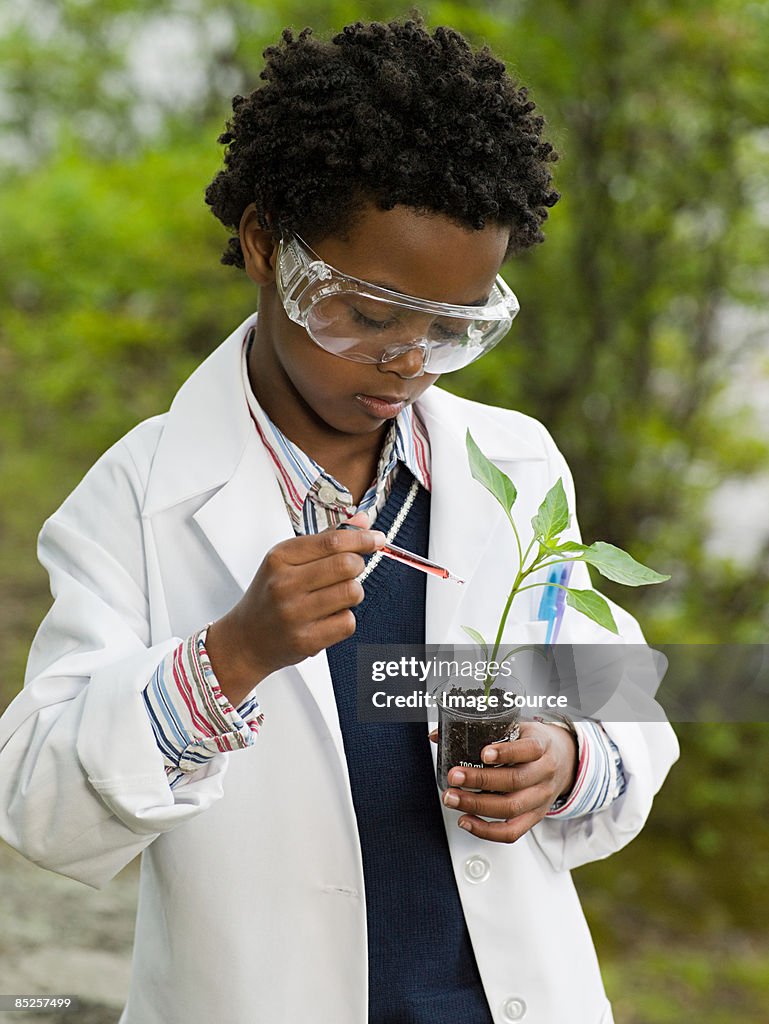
533	771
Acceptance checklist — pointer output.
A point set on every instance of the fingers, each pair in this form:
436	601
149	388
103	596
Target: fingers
326	601
359	519
311	547
331	630
517	811
530	747
517	789
498	805
500	780
300	600
502	831
325	572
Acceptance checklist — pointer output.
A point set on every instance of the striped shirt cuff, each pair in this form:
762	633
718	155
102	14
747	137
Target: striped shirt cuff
600	777
191	718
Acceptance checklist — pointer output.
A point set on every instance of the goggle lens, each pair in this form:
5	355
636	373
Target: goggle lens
365	329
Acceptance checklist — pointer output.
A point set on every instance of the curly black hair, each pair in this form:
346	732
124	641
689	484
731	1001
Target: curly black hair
386	113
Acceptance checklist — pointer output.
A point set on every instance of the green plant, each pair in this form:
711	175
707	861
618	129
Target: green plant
548	524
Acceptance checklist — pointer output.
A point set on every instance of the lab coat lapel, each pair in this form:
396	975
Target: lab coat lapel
210	444
242	521
247	516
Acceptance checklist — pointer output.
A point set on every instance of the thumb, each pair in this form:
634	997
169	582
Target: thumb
360	519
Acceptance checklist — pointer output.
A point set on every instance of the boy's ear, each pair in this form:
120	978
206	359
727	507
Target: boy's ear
260	249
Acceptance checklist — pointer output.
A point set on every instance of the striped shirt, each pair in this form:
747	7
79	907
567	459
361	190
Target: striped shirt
600	778
315	500
192	719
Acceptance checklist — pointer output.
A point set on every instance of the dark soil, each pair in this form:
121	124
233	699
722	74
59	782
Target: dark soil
463	735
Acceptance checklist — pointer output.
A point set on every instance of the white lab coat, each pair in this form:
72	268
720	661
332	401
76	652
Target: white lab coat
252	907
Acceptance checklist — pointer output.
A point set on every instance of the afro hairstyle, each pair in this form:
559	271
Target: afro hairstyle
390	114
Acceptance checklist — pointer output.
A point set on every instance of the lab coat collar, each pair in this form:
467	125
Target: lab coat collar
206	431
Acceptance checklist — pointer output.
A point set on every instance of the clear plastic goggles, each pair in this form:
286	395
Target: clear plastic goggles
368	324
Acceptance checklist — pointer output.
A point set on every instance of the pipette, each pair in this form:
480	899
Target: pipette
409	558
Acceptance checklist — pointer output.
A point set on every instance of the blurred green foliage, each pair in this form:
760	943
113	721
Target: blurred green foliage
718	982
633	318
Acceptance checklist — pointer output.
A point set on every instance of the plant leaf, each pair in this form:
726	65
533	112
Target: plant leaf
478	639
537	648
568	547
492	478
475	636
592	605
553	514
616	564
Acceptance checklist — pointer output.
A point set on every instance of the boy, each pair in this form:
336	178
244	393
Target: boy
376	184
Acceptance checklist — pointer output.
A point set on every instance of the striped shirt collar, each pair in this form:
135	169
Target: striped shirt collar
314	499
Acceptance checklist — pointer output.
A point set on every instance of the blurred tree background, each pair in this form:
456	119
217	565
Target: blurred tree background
641	344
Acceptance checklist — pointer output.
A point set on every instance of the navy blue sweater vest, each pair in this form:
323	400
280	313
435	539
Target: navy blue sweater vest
422	967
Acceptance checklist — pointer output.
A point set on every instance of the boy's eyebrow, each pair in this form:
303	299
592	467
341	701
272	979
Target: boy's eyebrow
392	288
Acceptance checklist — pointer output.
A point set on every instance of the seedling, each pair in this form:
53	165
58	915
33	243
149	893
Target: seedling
545	549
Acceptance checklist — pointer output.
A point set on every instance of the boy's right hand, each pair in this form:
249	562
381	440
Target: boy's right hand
298	603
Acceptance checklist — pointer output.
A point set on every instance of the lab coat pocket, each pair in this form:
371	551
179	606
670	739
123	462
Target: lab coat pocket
517	633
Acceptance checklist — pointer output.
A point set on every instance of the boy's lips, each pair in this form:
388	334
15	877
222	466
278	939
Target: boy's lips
383	406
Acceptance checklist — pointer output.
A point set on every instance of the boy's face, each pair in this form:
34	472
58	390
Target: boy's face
305	389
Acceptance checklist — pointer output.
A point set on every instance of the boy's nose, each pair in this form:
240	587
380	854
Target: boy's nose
407	361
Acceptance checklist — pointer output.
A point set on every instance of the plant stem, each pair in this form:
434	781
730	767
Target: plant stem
533	586
521	575
526	572
517	539
505	613
558	561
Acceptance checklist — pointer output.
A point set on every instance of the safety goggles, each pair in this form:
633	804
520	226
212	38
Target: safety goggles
368	324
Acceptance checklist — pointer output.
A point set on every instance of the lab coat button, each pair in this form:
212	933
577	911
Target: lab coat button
514	1009
477	869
